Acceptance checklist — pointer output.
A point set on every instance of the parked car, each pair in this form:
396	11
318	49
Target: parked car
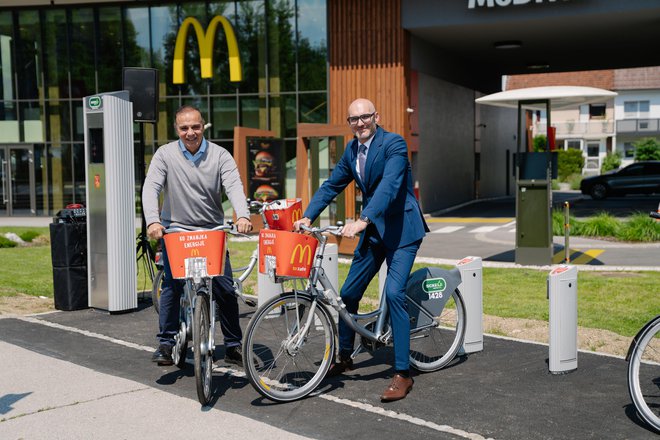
637	178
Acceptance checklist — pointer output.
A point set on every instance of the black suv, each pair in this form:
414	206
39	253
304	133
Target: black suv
637	178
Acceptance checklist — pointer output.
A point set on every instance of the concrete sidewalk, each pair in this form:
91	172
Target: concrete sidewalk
42	397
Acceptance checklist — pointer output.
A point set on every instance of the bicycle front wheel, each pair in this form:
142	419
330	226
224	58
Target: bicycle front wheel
283	360
434	347
644	375
156	288
201	349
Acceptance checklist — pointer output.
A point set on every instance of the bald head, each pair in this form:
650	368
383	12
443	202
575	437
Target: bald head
363	119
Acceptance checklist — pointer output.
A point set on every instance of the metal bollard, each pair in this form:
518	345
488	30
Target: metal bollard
471	287
562	296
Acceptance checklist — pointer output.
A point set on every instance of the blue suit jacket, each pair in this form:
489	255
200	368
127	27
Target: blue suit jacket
388	199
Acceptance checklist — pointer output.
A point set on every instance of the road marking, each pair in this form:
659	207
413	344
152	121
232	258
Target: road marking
358	405
576	256
482	229
469	220
447	230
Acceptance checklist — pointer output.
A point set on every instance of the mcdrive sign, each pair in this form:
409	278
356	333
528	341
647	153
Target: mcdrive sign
205	41
472	4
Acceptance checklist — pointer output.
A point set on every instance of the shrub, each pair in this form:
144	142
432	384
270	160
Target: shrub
575	180
540	143
569	162
28	235
640	227
611	162
647	149
601	225
6	243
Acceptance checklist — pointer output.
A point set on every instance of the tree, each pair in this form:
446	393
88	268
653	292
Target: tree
611	162
647	149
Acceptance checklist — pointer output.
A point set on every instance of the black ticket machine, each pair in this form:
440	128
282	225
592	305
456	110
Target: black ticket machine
110	176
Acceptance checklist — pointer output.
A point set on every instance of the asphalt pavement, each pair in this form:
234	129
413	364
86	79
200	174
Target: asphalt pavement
87	374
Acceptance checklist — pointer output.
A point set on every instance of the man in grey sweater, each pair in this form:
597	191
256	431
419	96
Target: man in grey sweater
192	173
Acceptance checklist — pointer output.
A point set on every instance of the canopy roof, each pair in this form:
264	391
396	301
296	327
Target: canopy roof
559	96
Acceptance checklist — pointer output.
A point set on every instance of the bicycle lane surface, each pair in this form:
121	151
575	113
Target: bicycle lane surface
504	392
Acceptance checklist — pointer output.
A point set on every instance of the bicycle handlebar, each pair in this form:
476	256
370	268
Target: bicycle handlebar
262	205
334	230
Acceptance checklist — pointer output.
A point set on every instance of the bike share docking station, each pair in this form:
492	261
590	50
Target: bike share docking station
562	296
471	288
110	191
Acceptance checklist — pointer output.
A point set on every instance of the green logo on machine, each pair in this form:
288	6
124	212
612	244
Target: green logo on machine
431	285
95	102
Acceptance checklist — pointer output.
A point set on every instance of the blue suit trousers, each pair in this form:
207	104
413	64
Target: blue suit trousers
367	261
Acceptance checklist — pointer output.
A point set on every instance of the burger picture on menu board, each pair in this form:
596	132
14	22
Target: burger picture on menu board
266	169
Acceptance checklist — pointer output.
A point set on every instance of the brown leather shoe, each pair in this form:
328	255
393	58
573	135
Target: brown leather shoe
398	388
339	367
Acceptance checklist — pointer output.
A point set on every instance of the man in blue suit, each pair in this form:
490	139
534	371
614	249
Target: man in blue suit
392	227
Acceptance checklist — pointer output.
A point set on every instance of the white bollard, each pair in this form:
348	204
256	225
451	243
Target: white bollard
562	295
471	288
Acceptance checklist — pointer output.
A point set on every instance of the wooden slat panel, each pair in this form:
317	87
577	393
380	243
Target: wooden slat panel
368	52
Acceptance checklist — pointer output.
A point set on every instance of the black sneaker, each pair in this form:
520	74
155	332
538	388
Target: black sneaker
234	355
163	355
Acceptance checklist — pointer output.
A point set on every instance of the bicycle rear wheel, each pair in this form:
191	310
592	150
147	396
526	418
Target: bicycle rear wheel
281	363
434	347
156	289
644	375
201	349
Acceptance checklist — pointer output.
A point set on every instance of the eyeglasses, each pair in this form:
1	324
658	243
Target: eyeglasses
185	128
365	118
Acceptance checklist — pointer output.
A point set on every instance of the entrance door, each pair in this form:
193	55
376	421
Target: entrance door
17	180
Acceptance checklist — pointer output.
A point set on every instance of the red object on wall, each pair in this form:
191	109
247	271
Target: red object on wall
552	132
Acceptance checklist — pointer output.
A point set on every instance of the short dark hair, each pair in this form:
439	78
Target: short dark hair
187	108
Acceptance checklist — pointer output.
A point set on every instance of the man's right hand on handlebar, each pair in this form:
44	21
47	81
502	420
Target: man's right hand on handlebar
155	231
303	221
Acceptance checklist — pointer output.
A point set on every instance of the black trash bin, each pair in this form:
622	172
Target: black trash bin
68	244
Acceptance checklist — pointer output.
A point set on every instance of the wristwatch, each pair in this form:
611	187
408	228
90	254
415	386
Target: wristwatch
365	219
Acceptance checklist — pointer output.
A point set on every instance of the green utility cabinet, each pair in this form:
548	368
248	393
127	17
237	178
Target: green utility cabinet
534	222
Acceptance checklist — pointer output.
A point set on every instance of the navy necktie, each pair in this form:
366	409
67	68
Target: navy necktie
362	158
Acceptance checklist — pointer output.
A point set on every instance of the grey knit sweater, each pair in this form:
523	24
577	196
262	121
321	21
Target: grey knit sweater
192	191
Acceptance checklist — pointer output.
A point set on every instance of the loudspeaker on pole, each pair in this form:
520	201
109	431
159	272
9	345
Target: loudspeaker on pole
142	86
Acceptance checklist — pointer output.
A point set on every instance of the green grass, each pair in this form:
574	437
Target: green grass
617	301
639	227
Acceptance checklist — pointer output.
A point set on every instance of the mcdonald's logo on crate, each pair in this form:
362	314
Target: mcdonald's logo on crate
284	214
183	245
205	41
293	252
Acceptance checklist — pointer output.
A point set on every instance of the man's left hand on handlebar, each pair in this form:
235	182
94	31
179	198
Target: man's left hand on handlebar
352	229
243	225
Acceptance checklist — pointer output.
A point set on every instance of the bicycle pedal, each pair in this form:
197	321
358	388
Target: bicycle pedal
251	302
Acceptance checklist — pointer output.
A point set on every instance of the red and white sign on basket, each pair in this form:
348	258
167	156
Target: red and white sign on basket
283	215
286	254
209	245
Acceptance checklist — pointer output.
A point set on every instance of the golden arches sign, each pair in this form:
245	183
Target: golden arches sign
302	251
205	42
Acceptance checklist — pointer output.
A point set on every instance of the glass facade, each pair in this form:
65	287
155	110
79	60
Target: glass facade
51	57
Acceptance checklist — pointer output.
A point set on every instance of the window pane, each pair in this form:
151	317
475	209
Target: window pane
110	48
194	84
78	120
28	55
61	182
253	113
312	47
250	30
55	54
283	119
221	84
9	131
630	109
41	179
136	29
78	175
224	118
6	60
31	118
83	81
314	108
163	33
644	109
59	120
282	46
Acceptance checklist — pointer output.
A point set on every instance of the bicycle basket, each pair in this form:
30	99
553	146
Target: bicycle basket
286	254
282	216
181	246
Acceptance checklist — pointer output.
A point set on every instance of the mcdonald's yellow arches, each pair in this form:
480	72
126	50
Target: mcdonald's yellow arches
205	42
299	249
194	252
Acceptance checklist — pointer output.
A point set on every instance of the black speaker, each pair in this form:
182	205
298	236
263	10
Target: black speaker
70	287
142	86
68	244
